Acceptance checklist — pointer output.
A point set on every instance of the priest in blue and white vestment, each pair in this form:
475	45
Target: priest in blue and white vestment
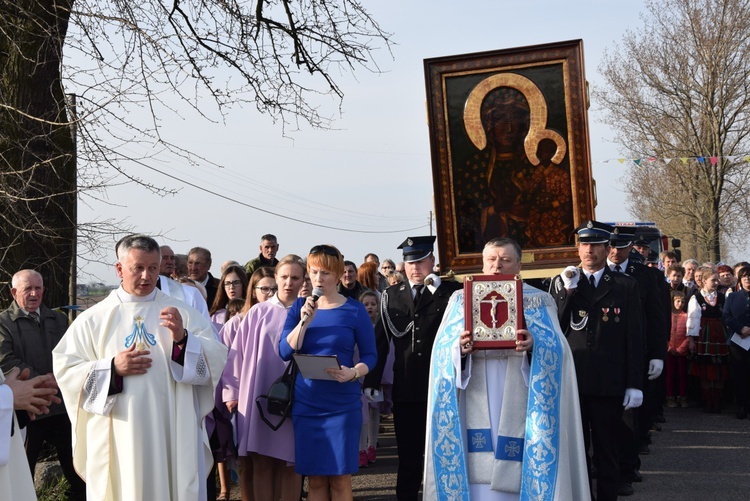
503	425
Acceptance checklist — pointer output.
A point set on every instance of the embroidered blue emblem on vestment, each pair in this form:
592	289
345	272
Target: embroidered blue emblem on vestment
480	439
140	336
509	448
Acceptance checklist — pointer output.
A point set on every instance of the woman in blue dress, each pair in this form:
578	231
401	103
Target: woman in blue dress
327	414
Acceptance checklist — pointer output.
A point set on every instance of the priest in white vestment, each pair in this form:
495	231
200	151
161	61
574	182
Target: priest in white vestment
137	372
183	292
33	396
503	425
191	295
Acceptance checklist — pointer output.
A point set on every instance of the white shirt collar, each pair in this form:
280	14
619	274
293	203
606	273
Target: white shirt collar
623	265
126	297
25	312
597	275
277	302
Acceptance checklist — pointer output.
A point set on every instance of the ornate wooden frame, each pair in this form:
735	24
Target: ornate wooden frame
550	78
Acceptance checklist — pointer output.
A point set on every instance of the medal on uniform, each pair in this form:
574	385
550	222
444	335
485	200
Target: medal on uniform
605	318
617	314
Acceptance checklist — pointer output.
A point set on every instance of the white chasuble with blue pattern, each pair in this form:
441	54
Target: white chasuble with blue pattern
533	442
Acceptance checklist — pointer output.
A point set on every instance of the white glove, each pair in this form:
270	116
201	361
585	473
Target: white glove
432	281
655	367
371	394
633	398
570	276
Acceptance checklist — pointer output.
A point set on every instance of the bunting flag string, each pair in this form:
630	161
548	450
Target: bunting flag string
713	160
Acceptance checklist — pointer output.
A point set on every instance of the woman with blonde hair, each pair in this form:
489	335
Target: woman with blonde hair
252	365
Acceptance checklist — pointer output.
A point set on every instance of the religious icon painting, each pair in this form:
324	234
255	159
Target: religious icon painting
493	310
510	152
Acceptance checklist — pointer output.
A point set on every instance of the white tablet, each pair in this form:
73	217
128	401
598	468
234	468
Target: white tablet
314	366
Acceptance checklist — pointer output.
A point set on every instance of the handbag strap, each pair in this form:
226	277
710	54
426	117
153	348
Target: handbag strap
291	372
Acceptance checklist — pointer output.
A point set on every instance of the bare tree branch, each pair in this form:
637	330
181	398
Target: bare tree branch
679	87
126	62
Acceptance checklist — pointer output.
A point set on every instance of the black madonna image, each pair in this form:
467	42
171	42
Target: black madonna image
515	184
510	151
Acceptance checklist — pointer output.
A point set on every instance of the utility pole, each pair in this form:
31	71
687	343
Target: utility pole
72	285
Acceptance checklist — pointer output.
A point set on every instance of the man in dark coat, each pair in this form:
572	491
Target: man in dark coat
199	262
411	314
601	318
28	332
655	308
349	286
269	247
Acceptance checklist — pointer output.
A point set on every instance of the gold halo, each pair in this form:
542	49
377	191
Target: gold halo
537	111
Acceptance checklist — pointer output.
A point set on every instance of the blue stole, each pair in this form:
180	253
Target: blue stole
541	443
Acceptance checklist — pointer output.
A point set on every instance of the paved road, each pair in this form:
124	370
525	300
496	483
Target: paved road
696	456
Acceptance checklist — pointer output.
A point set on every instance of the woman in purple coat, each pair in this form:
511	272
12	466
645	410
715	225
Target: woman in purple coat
252	365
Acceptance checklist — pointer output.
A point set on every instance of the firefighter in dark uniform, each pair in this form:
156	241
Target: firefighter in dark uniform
411	313
637	423
600	314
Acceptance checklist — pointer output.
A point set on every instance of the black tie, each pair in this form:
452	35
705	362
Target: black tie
34	316
417	292
618	269
592	280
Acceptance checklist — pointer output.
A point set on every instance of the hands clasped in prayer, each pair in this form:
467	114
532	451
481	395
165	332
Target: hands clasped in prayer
524	341
132	362
32	395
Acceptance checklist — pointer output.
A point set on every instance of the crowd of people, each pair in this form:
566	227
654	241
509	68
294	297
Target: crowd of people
565	414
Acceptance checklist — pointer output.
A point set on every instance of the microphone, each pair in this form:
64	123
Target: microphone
316	293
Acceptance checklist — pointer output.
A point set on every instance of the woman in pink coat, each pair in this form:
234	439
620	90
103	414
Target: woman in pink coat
253	363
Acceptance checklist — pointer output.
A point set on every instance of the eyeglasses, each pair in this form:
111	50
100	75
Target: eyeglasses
325	249
233	283
386	267
267	290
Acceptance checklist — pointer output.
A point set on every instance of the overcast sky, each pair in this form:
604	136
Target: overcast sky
373	173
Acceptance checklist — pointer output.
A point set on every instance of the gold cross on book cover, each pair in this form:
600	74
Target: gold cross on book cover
493	310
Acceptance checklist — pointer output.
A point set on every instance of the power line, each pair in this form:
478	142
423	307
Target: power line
210	192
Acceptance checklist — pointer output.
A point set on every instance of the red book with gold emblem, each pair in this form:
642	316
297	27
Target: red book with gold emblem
493	310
